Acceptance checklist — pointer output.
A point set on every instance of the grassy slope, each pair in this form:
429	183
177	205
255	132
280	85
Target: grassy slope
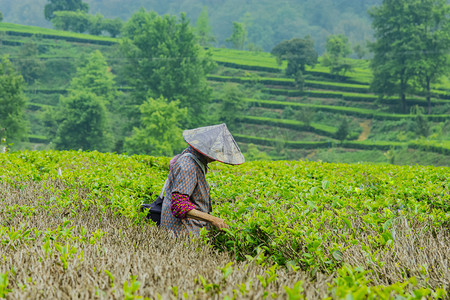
16	29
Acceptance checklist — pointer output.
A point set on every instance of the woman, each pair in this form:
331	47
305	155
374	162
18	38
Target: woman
187	203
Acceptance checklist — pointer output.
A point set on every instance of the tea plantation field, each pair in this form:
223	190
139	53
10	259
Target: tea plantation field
70	228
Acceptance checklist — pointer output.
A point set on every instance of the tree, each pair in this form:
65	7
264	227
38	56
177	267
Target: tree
338	48
76	21
82	120
203	29
64	5
96	24
1	16
113	26
160	132
305	115
433	61
360	50
404	30
12	102
238	36
422	126
28	64
80	21
287	113
232	106
83	115
165	60
298	53
49	121
343	130
95	76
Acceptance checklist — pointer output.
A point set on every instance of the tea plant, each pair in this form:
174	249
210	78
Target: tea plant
4	285
130	289
376	231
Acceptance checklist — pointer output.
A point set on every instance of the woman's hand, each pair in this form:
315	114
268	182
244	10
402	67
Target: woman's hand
199	215
219	223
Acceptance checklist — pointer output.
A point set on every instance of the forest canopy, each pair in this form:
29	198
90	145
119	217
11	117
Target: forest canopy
267	22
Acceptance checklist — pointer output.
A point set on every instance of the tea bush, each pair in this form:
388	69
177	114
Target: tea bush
297	229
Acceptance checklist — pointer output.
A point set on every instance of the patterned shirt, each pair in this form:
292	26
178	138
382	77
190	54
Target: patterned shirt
187	178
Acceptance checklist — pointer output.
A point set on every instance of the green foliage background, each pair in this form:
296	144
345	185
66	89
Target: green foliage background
286	117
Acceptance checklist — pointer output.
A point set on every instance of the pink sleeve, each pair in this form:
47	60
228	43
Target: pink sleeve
180	205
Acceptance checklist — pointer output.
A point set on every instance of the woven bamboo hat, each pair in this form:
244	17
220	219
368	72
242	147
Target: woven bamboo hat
216	142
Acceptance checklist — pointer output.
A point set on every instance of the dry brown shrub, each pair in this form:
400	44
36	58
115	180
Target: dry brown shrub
419	250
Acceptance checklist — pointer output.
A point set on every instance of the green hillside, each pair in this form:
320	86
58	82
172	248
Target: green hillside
276	108
281	120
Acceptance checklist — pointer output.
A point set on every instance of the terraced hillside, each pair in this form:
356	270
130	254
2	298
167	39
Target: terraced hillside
59	52
305	123
280	119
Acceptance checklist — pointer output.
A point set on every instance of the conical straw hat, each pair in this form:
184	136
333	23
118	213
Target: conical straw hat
216	142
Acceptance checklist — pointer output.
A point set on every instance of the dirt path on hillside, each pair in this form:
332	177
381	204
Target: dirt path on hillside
366	125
